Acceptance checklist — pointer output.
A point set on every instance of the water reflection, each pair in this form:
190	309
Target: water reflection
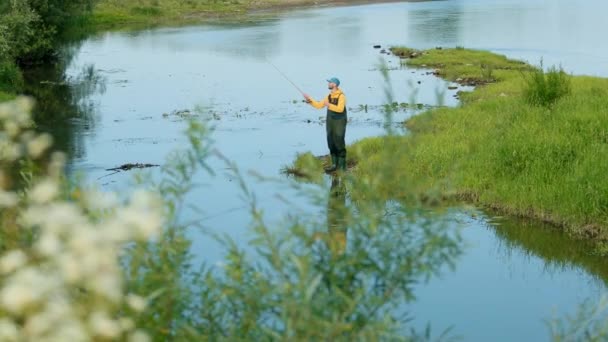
438	26
255	39
64	104
559	252
337	216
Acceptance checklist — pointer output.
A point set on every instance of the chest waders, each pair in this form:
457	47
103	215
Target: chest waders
336	131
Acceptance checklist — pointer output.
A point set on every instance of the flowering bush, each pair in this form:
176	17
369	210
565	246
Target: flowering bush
64	282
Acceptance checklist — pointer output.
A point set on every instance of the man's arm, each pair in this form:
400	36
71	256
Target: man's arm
312	102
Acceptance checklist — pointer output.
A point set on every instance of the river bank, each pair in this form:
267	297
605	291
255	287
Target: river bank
112	14
500	151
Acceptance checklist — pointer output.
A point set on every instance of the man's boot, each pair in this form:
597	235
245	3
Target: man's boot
342	163
334	164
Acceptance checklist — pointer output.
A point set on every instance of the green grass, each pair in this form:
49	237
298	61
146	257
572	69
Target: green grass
111	14
465	66
501	152
115	13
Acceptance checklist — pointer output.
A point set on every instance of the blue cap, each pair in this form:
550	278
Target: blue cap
334	80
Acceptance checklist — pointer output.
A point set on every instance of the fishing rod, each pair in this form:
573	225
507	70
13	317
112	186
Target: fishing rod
285	76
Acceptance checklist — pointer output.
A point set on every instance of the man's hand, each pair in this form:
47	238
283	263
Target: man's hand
326	103
307	98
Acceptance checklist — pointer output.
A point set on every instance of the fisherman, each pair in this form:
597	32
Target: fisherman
335	124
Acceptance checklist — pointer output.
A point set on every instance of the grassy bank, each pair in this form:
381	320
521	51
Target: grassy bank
115	13
502	150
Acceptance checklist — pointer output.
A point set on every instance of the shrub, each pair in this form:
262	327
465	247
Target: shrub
544	88
11	79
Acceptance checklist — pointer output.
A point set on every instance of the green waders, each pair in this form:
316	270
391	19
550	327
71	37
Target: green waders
336	132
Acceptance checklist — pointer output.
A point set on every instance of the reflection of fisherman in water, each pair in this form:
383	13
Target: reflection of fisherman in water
336	216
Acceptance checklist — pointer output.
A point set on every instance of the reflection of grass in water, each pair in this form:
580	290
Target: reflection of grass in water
557	250
588	324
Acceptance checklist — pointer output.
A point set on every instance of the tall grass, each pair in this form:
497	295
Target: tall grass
544	88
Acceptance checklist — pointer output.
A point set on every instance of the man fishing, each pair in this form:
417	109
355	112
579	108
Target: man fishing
335	124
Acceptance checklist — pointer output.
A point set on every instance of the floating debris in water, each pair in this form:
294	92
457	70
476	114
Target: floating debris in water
129	166
181	113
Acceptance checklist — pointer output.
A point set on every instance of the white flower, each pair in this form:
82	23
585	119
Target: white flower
144	199
8	331
108	285
44	191
12	261
34	215
48	244
83	242
39	324
71	331
38	145
145	224
62	217
15	298
59	306
139	336
116	231
11	128
8	199
136	302
9	151
103	326
98	200
70	268
26	287
126	324
56	218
